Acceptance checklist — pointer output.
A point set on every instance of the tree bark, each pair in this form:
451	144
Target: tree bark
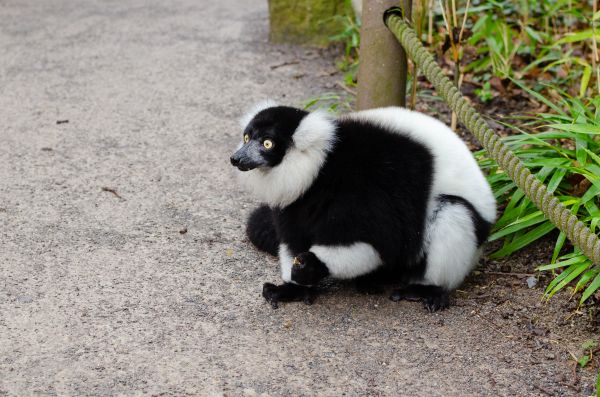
383	68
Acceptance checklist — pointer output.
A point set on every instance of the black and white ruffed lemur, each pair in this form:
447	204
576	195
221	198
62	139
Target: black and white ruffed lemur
378	191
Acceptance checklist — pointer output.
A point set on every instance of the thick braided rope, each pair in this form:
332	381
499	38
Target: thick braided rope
557	213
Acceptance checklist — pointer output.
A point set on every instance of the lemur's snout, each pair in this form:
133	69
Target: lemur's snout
238	161
248	157
241	161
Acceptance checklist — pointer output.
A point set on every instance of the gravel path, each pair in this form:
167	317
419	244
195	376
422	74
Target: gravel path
123	265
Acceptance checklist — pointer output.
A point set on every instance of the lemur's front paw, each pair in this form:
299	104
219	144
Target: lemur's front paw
307	269
287	292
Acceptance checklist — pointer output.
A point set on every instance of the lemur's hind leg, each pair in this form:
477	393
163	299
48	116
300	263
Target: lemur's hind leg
454	235
260	230
434	298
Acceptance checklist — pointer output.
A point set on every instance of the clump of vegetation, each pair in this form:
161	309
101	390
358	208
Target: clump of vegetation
546	51
349	37
565	156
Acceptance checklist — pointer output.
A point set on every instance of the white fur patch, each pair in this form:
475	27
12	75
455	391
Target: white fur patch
349	261
455	171
316	130
285	263
283	184
256	109
451	246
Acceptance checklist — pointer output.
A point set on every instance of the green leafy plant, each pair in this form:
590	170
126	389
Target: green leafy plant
525	39
350	38
501	43
588	347
330	101
566	156
485	92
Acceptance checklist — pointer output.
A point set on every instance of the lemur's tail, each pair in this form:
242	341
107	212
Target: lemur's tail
260	229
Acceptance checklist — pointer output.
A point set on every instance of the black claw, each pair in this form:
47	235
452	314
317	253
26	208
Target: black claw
435	303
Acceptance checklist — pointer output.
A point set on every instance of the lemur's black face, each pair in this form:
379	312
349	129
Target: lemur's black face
267	138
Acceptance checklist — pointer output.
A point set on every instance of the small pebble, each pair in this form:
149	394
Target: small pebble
531	281
24	299
550	356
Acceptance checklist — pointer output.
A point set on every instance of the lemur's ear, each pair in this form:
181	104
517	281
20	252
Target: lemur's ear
316	130
247	118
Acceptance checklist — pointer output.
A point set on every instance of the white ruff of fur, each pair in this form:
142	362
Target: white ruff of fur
283	184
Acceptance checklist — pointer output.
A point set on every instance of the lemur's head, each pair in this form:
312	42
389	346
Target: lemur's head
282	151
267	137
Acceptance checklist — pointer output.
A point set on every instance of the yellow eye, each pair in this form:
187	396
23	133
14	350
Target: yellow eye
246	138
268	144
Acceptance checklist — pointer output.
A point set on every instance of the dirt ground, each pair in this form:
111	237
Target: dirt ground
124	269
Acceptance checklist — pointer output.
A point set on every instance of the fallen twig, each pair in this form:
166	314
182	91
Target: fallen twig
273	67
575	379
113	191
343	87
543	389
510	274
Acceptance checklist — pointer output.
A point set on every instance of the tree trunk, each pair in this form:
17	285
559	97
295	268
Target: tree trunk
382	69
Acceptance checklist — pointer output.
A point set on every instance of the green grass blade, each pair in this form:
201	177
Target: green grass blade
571	273
539	97
579	36
595	285
577	128
565	263
585	80
585	278
556	179
524	240
520	224
560	242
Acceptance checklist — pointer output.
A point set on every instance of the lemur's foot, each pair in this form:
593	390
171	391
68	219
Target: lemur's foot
434	298
287	292
307	269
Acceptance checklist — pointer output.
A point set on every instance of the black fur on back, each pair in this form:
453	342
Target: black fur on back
260	230
481	226
374	187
